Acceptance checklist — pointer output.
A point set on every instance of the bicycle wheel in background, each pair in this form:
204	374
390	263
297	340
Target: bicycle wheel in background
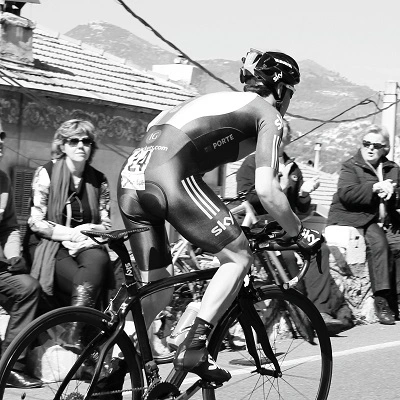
306	368
50	358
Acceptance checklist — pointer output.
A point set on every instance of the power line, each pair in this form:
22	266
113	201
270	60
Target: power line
361	103
323	122
348	120
147	25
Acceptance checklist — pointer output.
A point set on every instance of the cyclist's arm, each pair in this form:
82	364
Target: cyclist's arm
245	178
275	201
267	183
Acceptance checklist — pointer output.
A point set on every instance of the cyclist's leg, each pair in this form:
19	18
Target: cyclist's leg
235	260
150	248
218	233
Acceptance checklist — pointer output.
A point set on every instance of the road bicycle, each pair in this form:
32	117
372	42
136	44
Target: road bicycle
107	363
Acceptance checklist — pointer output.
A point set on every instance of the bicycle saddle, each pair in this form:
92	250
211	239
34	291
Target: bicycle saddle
116	234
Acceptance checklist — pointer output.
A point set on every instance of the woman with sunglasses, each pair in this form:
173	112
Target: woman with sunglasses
366	199
68	196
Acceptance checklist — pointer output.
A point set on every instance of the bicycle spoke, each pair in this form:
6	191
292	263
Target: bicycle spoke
65	368
305	367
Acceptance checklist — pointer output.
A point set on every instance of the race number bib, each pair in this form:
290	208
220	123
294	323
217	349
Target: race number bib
132	176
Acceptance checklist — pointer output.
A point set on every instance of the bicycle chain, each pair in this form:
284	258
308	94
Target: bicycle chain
99	394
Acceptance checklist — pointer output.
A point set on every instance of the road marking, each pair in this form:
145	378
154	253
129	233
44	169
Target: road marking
365	349
336	354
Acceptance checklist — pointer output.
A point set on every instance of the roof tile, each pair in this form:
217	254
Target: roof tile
64	65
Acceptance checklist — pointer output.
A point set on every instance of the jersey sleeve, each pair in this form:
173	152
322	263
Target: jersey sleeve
269	139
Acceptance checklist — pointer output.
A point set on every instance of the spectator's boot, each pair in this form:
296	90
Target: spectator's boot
82	295
383	312
192	355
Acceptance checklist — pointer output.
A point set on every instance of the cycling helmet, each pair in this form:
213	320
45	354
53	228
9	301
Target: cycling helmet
270	68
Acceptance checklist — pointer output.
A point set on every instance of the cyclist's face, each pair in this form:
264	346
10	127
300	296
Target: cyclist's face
287	95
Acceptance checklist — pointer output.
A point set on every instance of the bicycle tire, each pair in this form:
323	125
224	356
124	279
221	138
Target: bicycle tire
297	321
47	358
301	323
306	368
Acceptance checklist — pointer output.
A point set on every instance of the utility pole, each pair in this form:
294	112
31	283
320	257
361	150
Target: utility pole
317	150
389	114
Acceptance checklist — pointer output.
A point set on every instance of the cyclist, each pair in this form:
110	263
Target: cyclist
162	181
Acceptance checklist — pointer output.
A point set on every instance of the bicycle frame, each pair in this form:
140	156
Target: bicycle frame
135	293
280	275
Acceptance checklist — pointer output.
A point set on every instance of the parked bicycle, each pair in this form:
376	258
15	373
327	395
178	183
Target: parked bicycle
108	362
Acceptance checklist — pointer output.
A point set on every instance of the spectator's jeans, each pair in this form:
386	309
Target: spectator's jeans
377	257
394	245
19	296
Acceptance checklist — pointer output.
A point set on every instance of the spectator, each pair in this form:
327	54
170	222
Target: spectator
366	199
316	286
19	292
69	196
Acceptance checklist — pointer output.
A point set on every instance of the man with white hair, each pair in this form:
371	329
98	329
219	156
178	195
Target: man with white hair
366	198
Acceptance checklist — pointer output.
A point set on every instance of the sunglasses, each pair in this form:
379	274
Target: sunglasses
376	146
73	142
290	88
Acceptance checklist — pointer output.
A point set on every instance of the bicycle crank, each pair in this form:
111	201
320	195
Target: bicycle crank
162	391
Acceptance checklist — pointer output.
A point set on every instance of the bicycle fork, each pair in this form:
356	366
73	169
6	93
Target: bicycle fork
249	319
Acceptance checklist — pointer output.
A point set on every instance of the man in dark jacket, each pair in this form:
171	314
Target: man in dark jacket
317	287
366	199
19	292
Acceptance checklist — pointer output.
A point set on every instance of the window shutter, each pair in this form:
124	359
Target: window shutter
22	185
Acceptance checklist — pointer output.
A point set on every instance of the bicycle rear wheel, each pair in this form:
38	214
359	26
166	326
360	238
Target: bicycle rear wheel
306	367
47	356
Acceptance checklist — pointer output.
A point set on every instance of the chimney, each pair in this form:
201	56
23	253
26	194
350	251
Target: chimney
16	34
317	150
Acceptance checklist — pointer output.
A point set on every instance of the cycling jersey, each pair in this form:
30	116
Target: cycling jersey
161	180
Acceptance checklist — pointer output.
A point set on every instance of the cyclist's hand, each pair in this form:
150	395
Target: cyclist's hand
309	240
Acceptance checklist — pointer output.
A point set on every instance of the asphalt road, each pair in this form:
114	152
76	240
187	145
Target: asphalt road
366	366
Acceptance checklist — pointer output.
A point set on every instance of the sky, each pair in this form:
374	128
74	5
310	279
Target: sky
359	39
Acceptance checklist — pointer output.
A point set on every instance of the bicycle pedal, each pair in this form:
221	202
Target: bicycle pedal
209	385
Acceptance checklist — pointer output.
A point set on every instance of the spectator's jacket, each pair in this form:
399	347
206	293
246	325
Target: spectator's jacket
245	179
9	221
354	203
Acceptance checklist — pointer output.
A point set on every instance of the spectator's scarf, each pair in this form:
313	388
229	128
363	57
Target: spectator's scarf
45	253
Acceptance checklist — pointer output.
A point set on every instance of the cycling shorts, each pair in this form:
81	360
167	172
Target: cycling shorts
187	203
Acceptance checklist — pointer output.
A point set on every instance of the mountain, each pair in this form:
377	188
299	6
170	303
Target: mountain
321	95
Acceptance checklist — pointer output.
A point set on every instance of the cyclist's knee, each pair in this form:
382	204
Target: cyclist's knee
237	252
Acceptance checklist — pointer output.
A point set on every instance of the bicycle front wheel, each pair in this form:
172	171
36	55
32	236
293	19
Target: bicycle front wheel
64	362
306	366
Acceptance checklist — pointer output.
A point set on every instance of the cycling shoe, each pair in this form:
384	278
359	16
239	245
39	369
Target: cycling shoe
202	364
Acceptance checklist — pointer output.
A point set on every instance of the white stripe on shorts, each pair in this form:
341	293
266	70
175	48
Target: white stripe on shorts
199	197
